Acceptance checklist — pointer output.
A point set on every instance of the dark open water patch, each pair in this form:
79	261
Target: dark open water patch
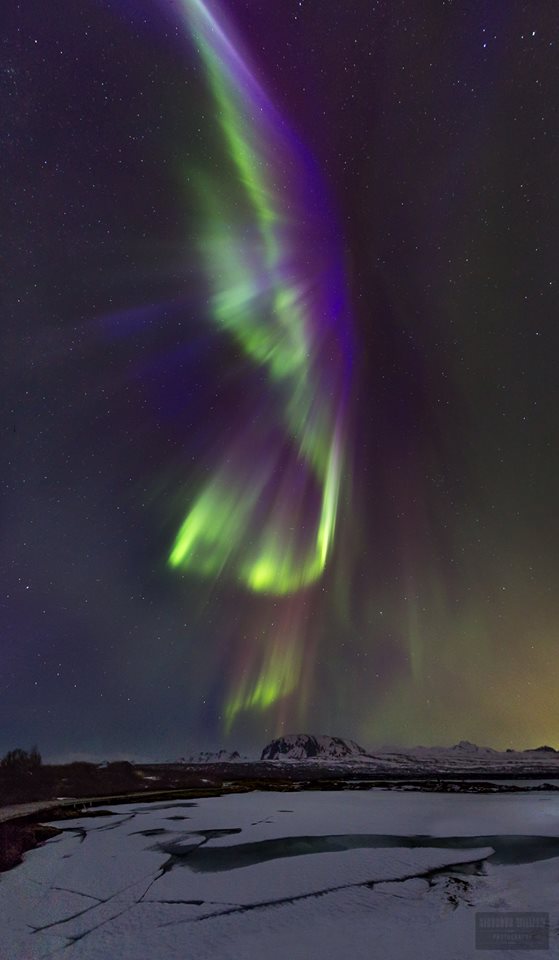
207	859
153	832
172	805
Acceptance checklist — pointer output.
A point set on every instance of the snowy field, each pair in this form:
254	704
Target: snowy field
286	876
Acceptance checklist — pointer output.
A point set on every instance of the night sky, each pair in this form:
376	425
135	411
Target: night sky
280	448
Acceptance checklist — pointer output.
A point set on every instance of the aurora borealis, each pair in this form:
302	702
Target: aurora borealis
284	318
280	446
269	521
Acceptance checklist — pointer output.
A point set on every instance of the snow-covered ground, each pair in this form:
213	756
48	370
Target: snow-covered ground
342	874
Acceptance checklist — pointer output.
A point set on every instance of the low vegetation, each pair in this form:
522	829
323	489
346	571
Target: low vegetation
24	778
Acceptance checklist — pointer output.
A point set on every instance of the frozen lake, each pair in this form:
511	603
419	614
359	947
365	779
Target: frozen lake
341	874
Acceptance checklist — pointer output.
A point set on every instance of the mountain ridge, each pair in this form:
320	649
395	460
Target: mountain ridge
305	746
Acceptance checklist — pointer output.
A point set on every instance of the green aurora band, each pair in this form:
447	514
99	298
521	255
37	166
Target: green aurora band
266	518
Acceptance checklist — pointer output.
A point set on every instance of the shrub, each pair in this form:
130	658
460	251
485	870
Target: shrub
19	760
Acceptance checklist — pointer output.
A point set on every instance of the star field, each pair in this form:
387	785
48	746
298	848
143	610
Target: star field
432	615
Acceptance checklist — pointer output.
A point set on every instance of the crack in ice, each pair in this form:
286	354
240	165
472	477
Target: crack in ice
370	884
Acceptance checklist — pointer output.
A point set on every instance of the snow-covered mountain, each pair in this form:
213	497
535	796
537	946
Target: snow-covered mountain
343	756
304	746
465	746
465	758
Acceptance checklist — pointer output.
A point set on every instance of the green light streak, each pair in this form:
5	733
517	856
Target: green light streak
278	678
248	522
215	527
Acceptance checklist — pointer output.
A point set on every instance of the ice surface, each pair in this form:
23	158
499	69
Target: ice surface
279	875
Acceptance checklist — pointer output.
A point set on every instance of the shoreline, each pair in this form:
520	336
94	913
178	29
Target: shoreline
23	829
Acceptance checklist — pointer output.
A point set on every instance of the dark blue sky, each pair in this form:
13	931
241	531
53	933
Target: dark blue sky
435	128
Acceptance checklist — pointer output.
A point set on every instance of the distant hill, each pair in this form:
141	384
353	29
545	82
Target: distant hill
218	756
